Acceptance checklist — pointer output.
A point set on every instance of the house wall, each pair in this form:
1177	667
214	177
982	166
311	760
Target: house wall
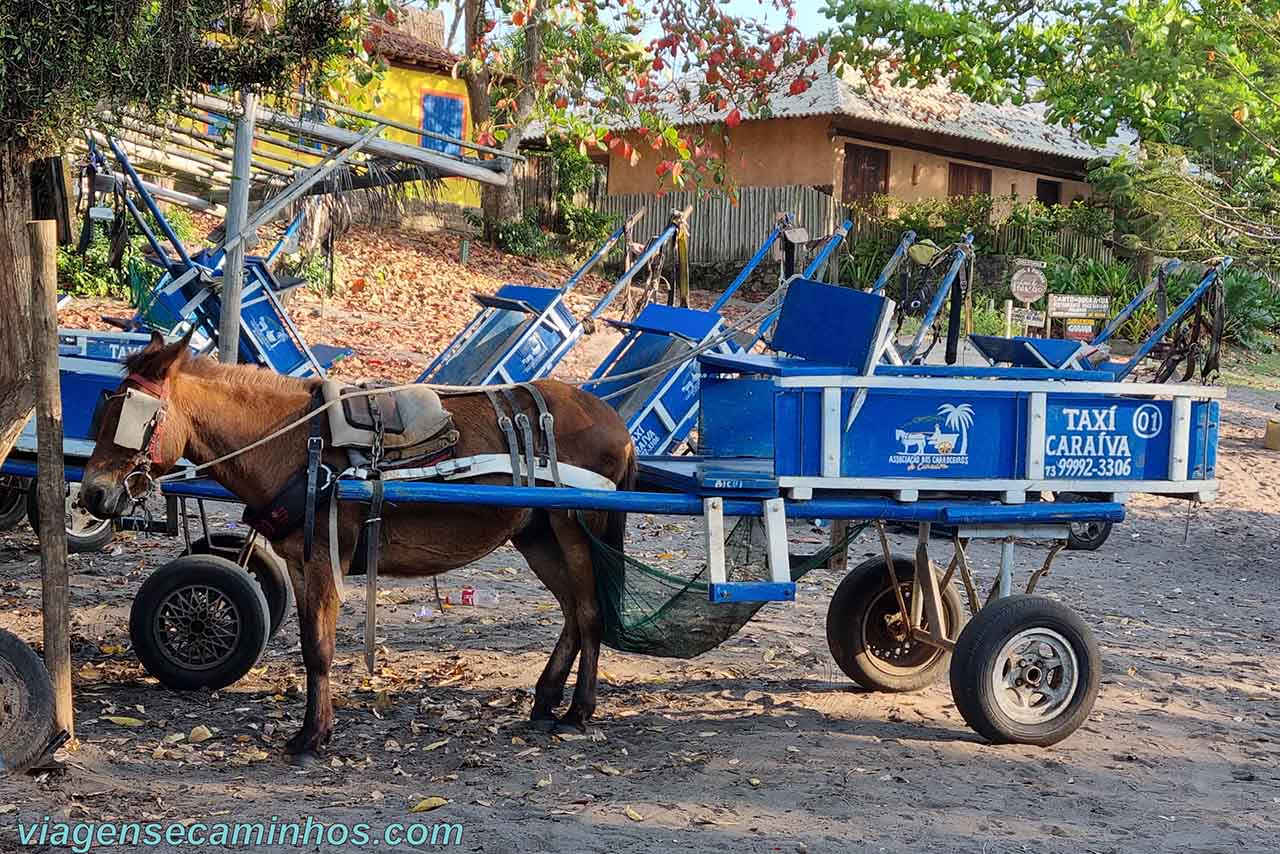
401	92
915	175
775	153
783	152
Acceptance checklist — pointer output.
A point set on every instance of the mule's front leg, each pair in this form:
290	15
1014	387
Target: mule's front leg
318	621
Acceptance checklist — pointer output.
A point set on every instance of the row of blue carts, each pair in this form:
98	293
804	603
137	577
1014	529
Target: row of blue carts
808	409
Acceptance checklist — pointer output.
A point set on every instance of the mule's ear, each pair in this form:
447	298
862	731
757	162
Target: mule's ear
158	359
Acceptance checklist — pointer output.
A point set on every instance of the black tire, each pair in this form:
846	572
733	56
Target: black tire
1084	536
266	567
85	533
862	639
199	621
26	705
13	501
986	649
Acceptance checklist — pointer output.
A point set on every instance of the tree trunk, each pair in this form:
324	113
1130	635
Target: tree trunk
500	204
17	394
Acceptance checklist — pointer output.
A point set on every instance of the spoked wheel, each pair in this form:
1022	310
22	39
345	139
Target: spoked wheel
868	637
13	501
85	532
1084	536
199	621
26	704
1026	671
266	567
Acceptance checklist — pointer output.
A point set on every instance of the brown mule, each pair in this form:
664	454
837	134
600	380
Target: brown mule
213	409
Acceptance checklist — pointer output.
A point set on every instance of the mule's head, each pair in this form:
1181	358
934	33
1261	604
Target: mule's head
138	433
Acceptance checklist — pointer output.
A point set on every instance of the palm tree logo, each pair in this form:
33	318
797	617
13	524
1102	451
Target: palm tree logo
958	417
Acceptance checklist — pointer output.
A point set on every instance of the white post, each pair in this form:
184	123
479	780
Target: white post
237	215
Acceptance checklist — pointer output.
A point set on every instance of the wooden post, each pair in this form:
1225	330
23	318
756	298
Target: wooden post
237	217
682	262
1008	318
839	561
50	483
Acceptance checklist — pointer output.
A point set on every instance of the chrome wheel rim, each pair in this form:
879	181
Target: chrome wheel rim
1035	676
197	627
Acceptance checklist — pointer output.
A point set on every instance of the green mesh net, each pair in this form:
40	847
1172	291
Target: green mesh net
647	610
141	295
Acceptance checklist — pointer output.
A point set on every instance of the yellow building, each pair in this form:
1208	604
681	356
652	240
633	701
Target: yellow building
420	89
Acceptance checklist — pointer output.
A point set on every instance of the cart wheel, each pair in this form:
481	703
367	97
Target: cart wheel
1026	671
266	567
199	621
13	501
1084	536
85	532
26	704
866	634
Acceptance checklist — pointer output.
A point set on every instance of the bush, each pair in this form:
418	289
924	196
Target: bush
1252	305
91	274
584	228
524	236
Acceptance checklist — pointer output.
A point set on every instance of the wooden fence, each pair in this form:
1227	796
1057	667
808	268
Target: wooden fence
720	230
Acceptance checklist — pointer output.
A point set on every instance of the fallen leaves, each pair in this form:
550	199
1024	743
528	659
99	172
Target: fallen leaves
199	734
433	802
124	720
630	813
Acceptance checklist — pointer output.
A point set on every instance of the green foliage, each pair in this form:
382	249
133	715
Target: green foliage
92	275
524	236
584	228
1253	309
987	321
946	221
1197	82
68	63
313	269
1252	304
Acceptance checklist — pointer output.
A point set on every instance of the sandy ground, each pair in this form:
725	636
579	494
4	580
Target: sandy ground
761	745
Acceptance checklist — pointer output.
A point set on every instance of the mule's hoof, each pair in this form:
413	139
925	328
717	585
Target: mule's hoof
544	724
571	727
304	759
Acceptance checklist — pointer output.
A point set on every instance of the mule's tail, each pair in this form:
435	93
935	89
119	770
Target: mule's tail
615	526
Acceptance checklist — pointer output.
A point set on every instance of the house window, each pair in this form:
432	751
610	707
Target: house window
866	173
216	125
443	112
966	180
1049	193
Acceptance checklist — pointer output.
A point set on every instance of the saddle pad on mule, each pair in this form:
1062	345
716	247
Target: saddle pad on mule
414	421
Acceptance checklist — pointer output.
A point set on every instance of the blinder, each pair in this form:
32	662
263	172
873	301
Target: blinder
139	417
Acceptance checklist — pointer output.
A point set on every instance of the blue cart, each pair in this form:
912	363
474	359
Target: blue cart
187	293
823	428
650	377
522	331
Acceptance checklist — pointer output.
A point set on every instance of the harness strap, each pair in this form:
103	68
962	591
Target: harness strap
372	543
315	451
513	444
547	422
526	429
335	553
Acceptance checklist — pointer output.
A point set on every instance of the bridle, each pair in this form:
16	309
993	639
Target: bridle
140	428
